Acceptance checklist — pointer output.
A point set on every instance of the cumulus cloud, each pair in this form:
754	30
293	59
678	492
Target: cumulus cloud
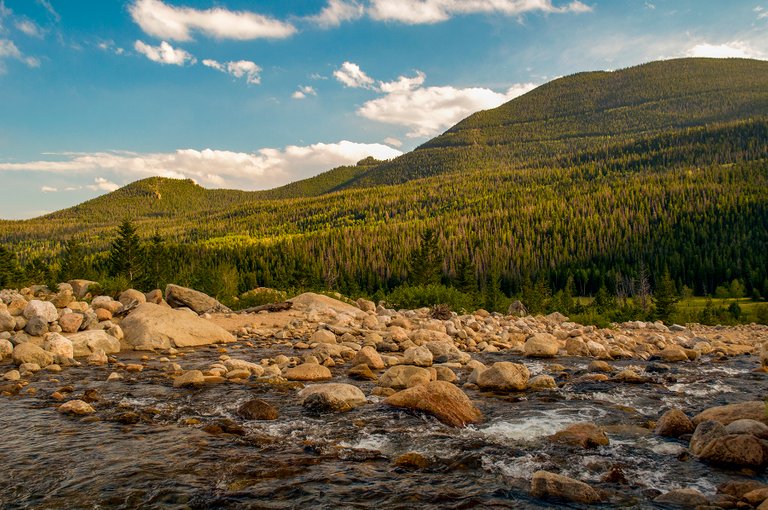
732	49
434	11
303	92
424	110
352	76
177	23
9	50
337	12
30	28
239	69
164	54
262	169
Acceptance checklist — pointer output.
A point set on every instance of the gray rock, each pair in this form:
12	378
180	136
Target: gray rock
36	326
42	309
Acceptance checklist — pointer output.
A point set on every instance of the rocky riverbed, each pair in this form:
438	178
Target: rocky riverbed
169	400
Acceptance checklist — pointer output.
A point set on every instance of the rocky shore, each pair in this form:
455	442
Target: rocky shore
336	356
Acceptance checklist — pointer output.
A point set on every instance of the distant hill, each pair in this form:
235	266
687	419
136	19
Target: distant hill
590	112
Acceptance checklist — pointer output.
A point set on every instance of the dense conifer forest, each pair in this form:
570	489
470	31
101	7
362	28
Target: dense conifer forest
646	183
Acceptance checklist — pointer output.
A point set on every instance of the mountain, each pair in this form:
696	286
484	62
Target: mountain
588	177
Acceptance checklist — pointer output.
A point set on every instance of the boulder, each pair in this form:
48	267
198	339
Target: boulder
517	308
76	407
504	376
106	303
418	356
6	348
87	342
331	397
682	498
446	352
441	399
546	485
7	322
401	377
705	433
752	410
368	356
31	353
310	301
63	298
365	305
42	309
36	326
190	378
257	409
542	382
308	372
238	364
179	297
738	450
81	287
747	426
361	372
674	423
541	345
162	328
576	347
58	345
130	296
323	336
71	322
584	435
673	354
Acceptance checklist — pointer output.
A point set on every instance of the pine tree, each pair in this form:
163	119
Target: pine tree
424	267
153	263
73	263
665	297
493	295
604	301
466	280
10	271
125	257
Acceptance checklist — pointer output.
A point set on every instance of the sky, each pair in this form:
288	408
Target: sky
253	94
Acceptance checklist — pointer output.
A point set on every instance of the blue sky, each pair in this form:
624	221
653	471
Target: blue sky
95	94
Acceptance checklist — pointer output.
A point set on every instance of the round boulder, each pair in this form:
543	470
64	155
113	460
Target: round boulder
504	376
31	353
542	345
674	423
441	399
331	397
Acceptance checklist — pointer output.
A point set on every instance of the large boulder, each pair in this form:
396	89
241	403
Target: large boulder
331	397
31	353
682	498
368	356
705	433
401	377
752	410
504	376
179	297
87	342
71	322
546	485
738	450
308	372
58	345
41	309
162	328
542	345
418	356
7	322
310	301
674	423
130	296
441	399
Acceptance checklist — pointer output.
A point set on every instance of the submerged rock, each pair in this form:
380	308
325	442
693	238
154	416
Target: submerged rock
585	435
441	399
257	409
739	450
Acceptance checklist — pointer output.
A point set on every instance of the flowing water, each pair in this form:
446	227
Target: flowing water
167	460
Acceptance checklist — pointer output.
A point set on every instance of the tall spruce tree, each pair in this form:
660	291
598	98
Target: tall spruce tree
666	297
126	256
73	263
153	274
424	265
10	271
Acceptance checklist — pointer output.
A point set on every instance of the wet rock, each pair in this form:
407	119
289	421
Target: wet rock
368	356
257	409
756	497
630	376
546	485
331	397
739	450
224	426
412	460
361	372
114	376
31	353
238	364
599	366
542	382
441	399
541	345
738	488
584	435
673	354
705	433
753	410
682	498
179	297
308	372
58	345
418	356
747	426
404	376
674	423
91	395
128	418
12	375
504	376
189	379
163	328
76	407
323	336
43	310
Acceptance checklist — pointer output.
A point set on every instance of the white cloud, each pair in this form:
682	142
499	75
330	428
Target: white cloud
424	110
48	189
164	54
434	11
337	12
732	49
761	12
177	23
238	69
650	6
263	169
109	46
48	7
303	92
352	76
29	28
9	50
394	142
